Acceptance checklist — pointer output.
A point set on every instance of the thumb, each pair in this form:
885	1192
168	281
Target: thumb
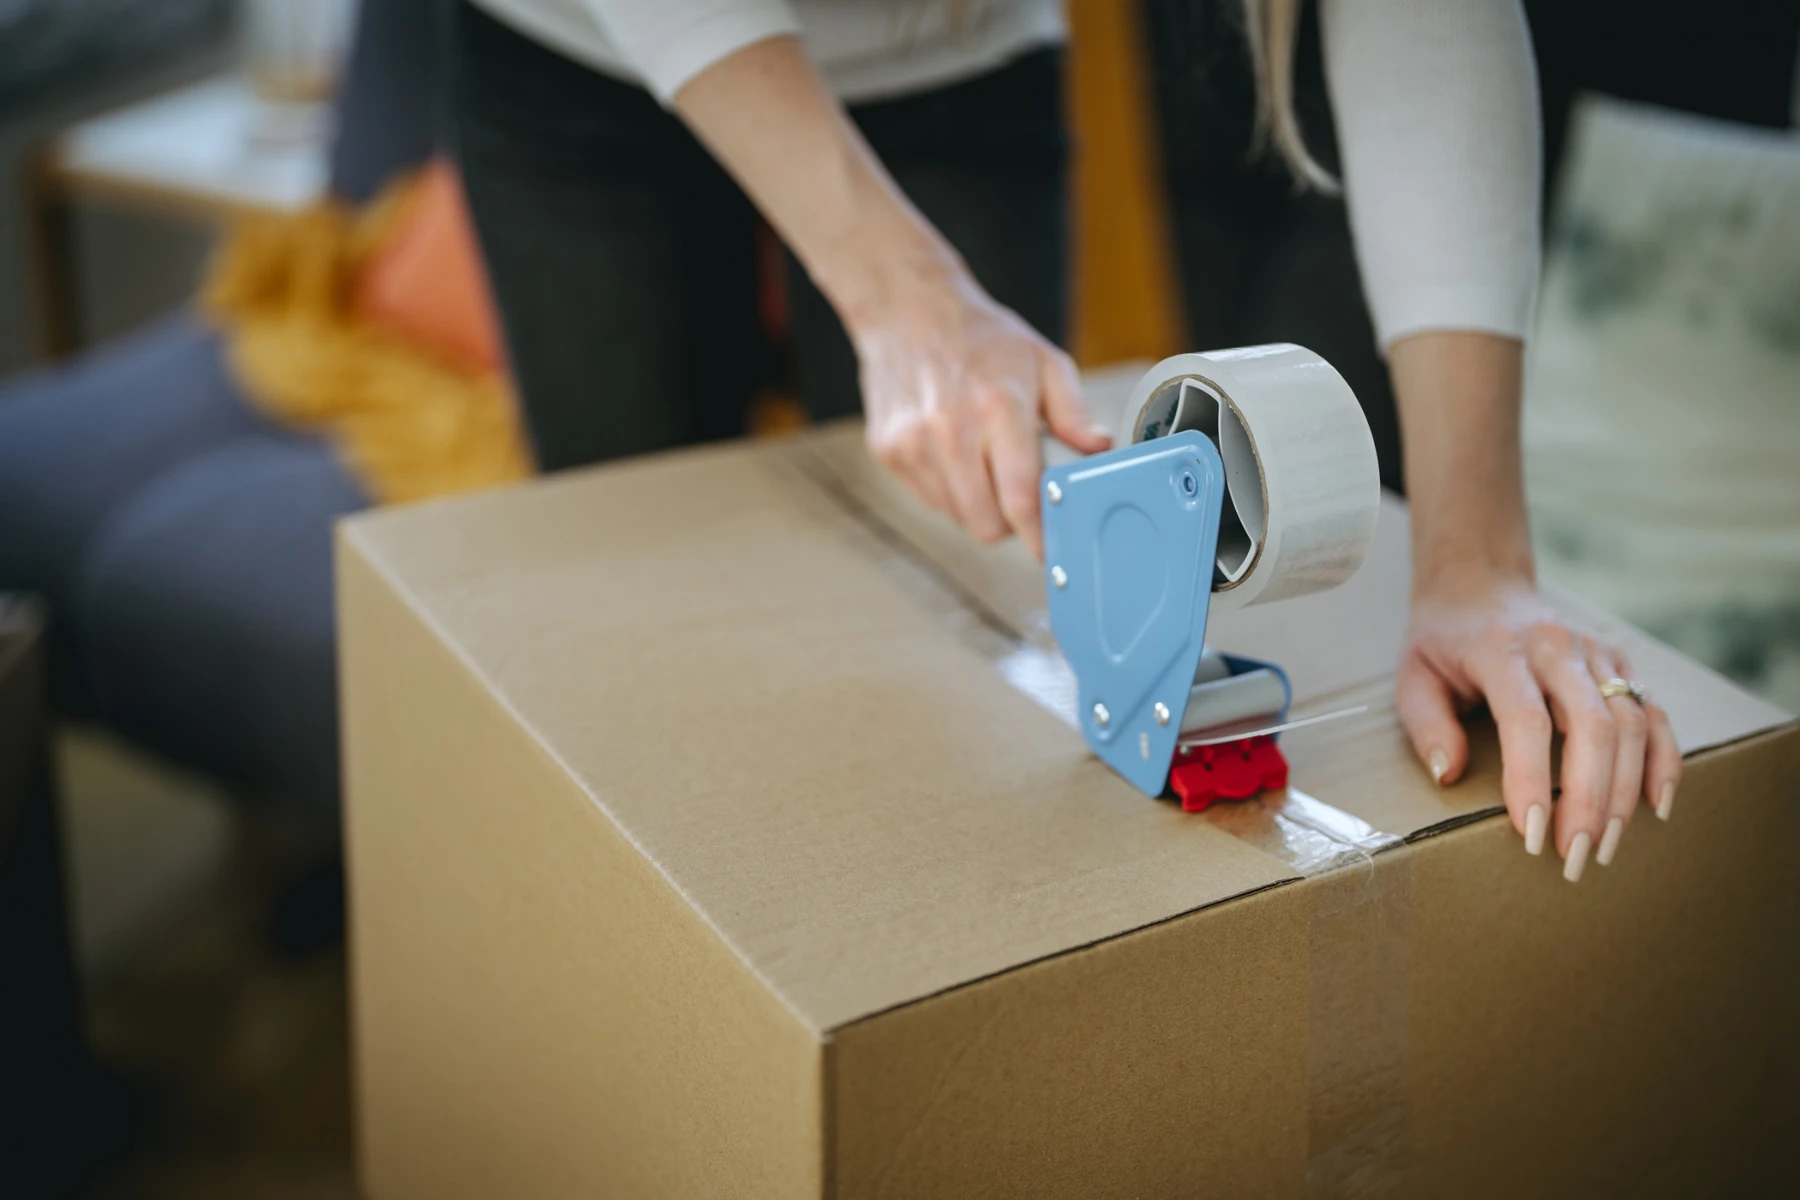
1428	713
1065	414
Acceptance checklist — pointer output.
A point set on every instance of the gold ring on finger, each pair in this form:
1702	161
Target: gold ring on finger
1623	687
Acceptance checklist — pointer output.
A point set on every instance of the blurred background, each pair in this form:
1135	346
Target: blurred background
171	164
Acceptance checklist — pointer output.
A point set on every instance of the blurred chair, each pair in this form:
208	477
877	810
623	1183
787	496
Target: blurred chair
183	541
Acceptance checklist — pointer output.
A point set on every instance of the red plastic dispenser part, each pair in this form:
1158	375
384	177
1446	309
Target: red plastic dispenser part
1227	771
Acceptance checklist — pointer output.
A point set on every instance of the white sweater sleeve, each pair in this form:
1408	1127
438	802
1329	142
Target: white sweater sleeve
1437	117
668	42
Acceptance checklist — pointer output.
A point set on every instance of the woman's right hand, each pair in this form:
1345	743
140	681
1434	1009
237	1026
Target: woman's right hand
955	388
954	385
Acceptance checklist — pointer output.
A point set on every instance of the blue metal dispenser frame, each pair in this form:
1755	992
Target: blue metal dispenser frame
1129	541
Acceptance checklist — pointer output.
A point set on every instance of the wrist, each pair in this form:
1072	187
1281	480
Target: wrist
885	259
1473	559
1458	394
1471	532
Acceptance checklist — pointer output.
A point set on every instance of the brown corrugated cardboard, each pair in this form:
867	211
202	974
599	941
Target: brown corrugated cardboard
699	847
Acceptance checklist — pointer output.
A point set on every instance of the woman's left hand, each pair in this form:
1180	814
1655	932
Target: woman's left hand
1481	632
1494	637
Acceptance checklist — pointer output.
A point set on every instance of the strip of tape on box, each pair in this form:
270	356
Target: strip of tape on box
1357	880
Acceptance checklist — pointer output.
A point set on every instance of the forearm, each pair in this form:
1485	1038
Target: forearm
1458	395
767	115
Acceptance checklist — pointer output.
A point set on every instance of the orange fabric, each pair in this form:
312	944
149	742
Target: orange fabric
411	421
426	282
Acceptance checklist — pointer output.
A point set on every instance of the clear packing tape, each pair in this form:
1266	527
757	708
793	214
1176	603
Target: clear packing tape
1358	884
1303	497
1303	488
1357	880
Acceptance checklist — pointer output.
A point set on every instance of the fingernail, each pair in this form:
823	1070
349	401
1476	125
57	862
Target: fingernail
1577	858
1665	802
1609	841
1440	765
1537	820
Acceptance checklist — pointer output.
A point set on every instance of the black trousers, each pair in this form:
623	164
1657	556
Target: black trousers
623	258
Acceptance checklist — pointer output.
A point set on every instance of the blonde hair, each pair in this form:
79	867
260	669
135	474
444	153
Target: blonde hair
1272	26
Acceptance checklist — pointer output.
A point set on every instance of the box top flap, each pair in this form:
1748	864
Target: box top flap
1327	643
1339	648
804	731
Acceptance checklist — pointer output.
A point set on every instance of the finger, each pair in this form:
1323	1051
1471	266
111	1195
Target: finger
1064	412
922	476
957	453
1631	726
1428	714
902	451
1012	450
1662	768
1589	742
1662	753
1517	705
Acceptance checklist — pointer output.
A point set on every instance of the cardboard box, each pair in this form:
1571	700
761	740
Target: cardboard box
706	839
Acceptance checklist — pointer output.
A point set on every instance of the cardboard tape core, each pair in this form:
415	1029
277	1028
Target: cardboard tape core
1193	403
1302	486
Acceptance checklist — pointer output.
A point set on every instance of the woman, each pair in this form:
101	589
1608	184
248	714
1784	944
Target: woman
927	219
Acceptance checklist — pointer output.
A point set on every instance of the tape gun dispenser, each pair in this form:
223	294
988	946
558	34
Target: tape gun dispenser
1241	476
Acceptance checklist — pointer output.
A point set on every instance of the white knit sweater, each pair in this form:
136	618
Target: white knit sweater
1436	106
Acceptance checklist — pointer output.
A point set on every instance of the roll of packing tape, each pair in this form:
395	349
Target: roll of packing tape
1302	485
